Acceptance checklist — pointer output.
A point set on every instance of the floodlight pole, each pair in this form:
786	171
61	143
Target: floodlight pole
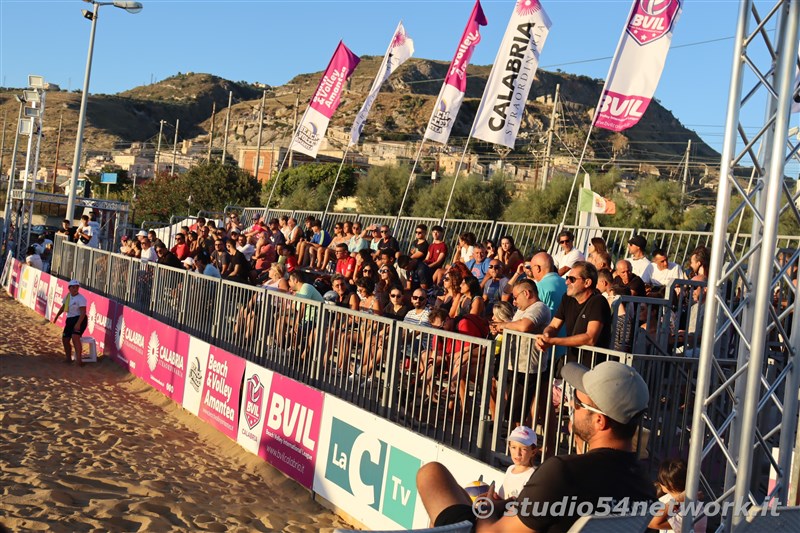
131	7
12	171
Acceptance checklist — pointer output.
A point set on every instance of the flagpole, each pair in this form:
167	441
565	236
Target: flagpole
408	185
455	179
285	157
335	181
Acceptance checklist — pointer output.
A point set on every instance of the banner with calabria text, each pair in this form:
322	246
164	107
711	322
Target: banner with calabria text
503	104
400	50
308	137
455	82
638	63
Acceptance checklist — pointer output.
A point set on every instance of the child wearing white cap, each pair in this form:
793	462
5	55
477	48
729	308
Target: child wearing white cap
522	450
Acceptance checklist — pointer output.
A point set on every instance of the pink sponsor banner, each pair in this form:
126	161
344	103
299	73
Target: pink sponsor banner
219	403
132	331
329	91
291	428
457	75
56	294
42	289
638	63
167	354
16	274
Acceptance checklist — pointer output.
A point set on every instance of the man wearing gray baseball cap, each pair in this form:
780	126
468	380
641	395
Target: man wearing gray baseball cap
605	412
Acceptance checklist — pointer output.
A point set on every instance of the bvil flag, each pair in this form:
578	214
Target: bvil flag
455	82
591	202
638	63
400	50
503	104
311	130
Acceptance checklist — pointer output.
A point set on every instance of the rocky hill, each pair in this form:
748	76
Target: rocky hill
400	112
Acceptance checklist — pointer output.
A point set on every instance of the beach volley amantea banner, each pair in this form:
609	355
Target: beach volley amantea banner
455	83
638	63
311	131
503	104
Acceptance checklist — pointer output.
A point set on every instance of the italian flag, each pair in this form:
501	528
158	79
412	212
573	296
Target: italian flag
591	202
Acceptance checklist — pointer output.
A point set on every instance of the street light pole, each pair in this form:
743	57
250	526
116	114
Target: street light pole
175	147
131	7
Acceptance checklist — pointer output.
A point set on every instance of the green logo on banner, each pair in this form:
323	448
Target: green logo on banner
357	463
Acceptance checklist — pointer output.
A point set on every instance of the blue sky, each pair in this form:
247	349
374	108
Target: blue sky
272	40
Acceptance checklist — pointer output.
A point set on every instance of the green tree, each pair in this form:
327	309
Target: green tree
381	191
542	206
309	186
211	185
473	198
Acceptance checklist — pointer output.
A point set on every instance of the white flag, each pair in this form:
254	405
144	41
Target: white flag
638	63
400	50
500	113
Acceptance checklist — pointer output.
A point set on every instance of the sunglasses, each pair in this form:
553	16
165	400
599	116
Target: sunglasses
580	405
367	270
446	278
417	297
563	242
495	267
572	279
418	232
384	231
395	295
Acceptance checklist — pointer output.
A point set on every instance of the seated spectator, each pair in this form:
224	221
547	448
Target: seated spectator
418	314
276	279
202	265
148	253
419	248
494	284
198	223
239	270
307	252
584	312
265	254
347	229
491	248
606	412
363	259
290	259
181	249
328	254
601	260
124	245
188	264
244	246
205	242
597	245
434	259
166	257
479	264
626	278
469	300
508	254
257	228
465	249
671	481
344	296
699	262
357	242
387	242
387	280
135	249
567	255
605	280
345	264
274	233
522	450
640	264
219	257
33	259
452	289
374	236
368	302
664	272
193	243
397	308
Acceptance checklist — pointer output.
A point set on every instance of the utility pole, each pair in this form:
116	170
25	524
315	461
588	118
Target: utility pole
227	125
211	138
3	143
175	147
58	147
685	174
294	128
550	130
158	146
260	128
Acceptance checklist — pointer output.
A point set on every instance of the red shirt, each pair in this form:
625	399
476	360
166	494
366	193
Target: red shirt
291	263
268	256
346	267
181	251
435	251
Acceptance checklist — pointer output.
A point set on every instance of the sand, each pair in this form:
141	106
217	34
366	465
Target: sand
95	448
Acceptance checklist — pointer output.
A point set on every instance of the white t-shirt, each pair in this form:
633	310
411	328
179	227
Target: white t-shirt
466	253
676	522
642	267
35	261
667	276
539	314
568	259
74	304
149	255
513	483
248	250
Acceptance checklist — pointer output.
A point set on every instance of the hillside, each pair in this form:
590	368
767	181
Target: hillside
400	112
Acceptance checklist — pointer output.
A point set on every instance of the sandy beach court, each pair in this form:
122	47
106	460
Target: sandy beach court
94	448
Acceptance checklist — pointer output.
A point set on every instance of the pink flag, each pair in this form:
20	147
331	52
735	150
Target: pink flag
311	130
455	82
638	63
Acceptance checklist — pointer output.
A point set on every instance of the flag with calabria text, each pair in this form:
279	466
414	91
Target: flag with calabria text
400	50
503	104
455	82
638	63
311	131
591	202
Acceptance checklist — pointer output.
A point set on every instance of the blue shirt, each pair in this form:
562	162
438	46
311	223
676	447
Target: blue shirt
479	270
323	237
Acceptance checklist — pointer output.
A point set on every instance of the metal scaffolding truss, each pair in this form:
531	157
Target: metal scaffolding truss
745	422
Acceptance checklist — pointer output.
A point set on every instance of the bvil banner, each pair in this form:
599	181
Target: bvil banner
195	375
133	329
56	293
369	465
167	355
219	405
308	137
638	63
400	50
500	113
255	397
455	82
42	289
102	315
